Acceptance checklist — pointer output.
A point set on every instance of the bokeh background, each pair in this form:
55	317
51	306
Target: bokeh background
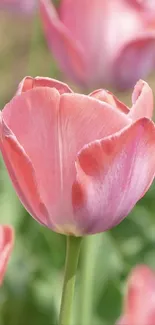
31	290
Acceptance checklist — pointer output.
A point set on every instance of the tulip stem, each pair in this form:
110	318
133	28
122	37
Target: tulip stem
87	280
72	256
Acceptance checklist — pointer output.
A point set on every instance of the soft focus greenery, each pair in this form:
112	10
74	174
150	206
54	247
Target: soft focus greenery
32	287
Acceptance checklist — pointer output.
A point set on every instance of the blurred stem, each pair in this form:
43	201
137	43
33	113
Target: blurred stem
87	275
72	256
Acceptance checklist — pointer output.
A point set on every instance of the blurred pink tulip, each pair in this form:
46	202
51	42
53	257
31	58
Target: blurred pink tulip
20	6
100	42
139	306
146	6
78	163
6	244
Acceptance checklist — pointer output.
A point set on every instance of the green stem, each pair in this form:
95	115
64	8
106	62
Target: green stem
72	255
87	280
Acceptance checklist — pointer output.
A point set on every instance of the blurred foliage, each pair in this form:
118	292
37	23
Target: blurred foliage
31	290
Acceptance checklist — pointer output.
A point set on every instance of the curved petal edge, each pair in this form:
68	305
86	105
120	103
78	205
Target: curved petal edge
112	175
6	245
29	82
22	174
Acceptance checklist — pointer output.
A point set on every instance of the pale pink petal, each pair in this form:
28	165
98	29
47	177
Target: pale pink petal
6	245
142	99
27	7
67	50
108	97
90	31
140	299
123	321
145	5
135	60
32	117
112	175
105	29
52	129
112	44
22	174
28	83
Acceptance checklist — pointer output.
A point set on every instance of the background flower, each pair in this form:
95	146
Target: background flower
20	6
101	42
139	304
6	245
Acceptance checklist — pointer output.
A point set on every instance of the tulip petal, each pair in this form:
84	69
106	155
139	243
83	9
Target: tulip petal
6	245
123	321
108	97
91	29
140	299
28	83
92	33
22	174
27	7
67	50
32	117
142	99
135	60
52	129
146	5
112	175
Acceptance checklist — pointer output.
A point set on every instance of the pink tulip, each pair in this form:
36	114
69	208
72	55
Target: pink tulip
20	6
139	306
101	42
78	163
6	245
